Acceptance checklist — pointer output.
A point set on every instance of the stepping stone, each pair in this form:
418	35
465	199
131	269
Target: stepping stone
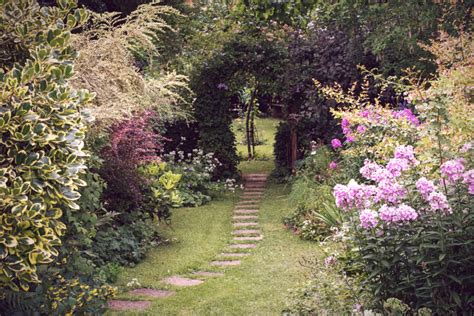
180	281
244	217
245	231
243	246
153	293
245	238
208	273
246	211
235	254
246	224
226	263
119	305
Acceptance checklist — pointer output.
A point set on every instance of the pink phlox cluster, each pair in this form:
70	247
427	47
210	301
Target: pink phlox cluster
336	143
468	179
368	218
397	165
425	187
453	169
397	214
373	171
439	202
390	191
408	115
354	195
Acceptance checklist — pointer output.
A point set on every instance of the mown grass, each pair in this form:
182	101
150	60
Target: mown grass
266	128
259	286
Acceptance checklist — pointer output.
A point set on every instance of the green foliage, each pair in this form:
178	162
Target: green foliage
42	130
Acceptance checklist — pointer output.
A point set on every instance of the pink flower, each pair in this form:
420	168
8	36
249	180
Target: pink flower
336	143
397	165
332	165
361	129
402	213
406	152
368	218
468	179
453	169
439	202
425	187
390	191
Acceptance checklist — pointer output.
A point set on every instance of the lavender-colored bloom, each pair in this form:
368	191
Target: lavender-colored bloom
397	165
361	129
390	191
392	214
368	218
453	169
425	187
333	165
408	115
468	179
222	86
439	202
336	143
405	152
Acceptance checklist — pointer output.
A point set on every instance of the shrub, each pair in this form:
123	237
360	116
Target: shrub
42	128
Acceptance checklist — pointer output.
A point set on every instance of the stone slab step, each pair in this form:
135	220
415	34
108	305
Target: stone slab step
248	238
181	281
121	305
246	232
234	254
223	263
246	211
208	273
245	224
244	217
152	293
243	246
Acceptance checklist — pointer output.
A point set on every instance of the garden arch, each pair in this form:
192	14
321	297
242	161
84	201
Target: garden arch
242	59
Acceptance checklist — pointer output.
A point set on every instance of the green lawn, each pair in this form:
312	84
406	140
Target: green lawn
266	128
257	287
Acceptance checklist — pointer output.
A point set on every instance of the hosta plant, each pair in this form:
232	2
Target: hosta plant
41	137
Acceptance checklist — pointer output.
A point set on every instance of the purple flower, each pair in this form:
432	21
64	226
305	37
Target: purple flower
373	171
408	115
425	187
368	218
390	191
336	143
402	213
361	129
332	165
468	179
439	202
405	152
222	86
397	165
453	169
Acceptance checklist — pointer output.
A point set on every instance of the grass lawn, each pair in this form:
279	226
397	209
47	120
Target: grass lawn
266	128
257	287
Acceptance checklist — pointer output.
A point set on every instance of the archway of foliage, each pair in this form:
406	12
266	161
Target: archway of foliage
245	59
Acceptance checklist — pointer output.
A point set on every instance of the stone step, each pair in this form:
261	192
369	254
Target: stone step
243	246
223	263
246	232
152	293
122	305
247	238
208	273
245	224
234	254
244	217
246	211
181	281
